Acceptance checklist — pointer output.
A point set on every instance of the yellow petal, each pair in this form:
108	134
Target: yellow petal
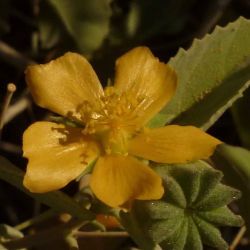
118	179
56	155
143	77
63	84
173	144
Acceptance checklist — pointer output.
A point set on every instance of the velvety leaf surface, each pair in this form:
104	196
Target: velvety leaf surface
212	74
192	218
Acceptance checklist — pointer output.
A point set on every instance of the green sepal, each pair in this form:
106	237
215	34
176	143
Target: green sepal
210	235
193	239
190	212
222	216
178	237
220	196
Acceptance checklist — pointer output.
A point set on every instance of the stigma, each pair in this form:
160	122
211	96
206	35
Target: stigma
111	123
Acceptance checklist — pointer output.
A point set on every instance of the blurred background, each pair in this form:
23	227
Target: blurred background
36	31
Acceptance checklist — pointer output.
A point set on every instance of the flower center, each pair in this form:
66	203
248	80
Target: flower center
112	124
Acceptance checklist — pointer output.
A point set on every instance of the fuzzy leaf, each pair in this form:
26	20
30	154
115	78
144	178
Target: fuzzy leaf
221	216
210	235
178	238
185	227
175	193
56	200
193	240
216	77
220	196
235	163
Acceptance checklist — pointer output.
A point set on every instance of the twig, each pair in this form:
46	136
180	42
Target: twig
71	242
238	238
13	57
17	108
10	147
37	239
41	217
11	88
56	233
79	234
20	61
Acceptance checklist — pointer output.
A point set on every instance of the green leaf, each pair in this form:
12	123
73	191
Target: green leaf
193	223
212	74
235	163
87	22
242	121
56	200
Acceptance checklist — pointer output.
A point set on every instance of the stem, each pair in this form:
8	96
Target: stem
79	234
35	220
71	242
238	238
11	88
10	147
17	108
37	239
13	57
56	233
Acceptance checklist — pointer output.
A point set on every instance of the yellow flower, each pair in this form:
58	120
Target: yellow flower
113	133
